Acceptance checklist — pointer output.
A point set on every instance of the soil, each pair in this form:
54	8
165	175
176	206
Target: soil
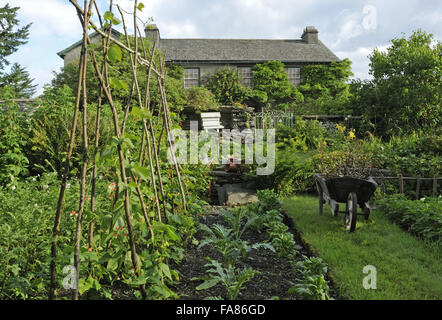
276	276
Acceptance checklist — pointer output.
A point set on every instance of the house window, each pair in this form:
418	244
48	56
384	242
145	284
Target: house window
294	76
191	77
246	75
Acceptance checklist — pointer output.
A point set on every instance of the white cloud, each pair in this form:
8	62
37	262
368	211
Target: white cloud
49	17
186	30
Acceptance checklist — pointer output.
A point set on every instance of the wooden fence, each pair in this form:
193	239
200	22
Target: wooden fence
401	179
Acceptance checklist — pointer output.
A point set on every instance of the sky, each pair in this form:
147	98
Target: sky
350	28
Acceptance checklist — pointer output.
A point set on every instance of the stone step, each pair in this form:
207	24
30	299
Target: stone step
224	174
236	194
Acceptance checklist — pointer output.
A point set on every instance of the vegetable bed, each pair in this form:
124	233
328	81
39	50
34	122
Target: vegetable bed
268	266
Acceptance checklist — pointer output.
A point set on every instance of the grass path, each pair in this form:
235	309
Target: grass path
406	267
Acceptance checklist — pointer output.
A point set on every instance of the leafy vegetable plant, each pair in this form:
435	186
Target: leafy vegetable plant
229	276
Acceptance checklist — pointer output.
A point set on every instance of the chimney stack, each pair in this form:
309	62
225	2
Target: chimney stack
153	33
310	35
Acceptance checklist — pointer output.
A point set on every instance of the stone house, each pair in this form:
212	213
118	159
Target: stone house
72	53
202	57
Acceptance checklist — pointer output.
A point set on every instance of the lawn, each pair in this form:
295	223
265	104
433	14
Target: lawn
406	267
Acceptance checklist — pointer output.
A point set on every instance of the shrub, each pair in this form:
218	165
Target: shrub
272	86
422	218
418	153
226	86
325	87
13	139
201	99
302	136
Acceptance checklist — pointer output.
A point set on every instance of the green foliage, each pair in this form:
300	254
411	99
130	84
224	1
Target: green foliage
7	93
268	201
25	259
226	242
270	220
272	86
229	276
351	160
295	165
406	85
200	99
10	37
226	86
19	80
422	218
50	129
281	239
418	153
302	136
325	87
313	285
107	265
120	74
13	139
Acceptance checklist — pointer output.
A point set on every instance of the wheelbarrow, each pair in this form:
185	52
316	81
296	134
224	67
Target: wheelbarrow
350	190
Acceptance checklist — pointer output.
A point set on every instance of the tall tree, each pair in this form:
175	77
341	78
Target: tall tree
11	37
407	84
19	81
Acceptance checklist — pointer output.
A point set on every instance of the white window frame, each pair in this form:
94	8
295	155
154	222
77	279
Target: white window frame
294	74
246	76
191	77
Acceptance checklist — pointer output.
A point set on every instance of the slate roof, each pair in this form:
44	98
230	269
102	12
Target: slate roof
236	50
116	34
244	50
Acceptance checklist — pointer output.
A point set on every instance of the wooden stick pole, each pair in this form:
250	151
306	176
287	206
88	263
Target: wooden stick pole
418	185
401	184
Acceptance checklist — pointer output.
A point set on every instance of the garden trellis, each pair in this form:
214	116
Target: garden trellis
132	174
271	119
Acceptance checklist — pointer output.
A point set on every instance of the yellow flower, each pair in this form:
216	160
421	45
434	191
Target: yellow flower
351	135
340	128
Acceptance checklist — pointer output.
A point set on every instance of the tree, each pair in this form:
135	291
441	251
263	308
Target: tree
19	80
325	87
407	85
176	95
10	39
271	83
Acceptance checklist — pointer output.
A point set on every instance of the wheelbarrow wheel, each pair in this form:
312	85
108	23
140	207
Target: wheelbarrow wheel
351	212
